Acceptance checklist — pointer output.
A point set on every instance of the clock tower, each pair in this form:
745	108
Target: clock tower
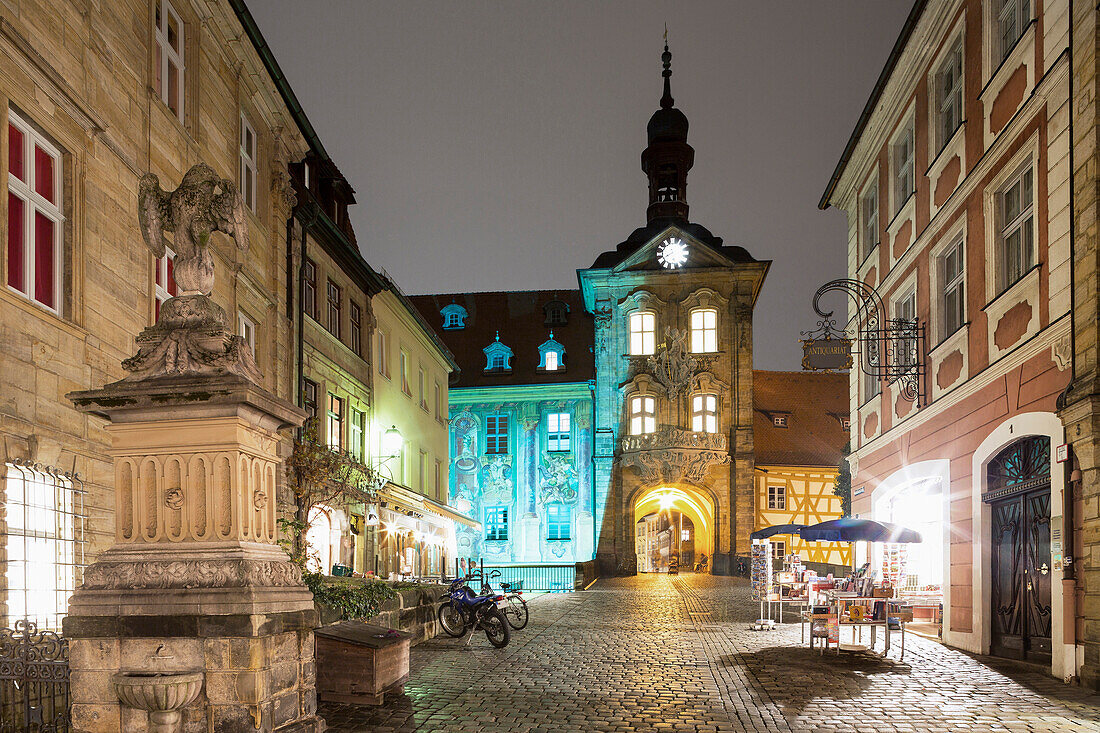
672	308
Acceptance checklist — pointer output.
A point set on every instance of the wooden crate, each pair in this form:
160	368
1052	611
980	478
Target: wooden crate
358	663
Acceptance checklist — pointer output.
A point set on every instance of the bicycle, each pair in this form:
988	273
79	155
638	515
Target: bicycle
515	612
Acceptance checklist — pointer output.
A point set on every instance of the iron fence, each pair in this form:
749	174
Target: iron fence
548	578
34	680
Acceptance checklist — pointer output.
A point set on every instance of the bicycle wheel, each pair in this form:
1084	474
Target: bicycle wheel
496	628
451	620
516	612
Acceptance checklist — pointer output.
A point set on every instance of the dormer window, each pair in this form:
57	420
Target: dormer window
454	317
557	313
551	355
498	357
780	421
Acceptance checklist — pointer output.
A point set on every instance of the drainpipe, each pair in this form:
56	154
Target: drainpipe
592	464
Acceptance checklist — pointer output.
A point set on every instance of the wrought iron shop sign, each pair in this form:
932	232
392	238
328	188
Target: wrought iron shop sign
826	354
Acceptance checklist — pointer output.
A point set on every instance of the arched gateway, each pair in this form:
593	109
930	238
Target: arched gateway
672	308
672	521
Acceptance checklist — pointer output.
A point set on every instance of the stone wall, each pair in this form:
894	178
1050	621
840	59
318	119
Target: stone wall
413	611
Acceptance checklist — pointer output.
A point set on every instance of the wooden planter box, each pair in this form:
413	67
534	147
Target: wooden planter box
358	663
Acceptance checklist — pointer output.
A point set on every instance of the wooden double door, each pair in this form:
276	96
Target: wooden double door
1021	572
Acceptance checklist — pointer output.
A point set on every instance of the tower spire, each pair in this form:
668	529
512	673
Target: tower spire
666	61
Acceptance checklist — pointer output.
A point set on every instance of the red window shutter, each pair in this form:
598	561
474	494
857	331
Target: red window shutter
44	261
170	286
16	243
15	152
43	174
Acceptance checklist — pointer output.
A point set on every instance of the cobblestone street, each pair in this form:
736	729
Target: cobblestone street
655	653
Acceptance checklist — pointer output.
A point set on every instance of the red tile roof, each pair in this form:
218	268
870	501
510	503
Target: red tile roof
518	316
814	403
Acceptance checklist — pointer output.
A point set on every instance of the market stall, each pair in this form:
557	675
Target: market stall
863	601
773	588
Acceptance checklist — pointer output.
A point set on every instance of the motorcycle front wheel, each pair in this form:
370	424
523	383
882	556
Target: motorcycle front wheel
516	613
496	628
451	620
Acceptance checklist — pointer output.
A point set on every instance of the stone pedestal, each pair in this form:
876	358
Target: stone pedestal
195	581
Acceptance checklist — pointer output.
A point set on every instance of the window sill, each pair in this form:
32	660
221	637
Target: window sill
559	539
948	337
1014	286
945	153
996	79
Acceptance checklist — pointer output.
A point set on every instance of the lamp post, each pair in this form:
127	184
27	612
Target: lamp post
389	447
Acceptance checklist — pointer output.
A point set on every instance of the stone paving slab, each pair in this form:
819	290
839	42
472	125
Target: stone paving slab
655	653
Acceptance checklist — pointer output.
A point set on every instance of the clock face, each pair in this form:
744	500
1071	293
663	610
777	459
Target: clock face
672	253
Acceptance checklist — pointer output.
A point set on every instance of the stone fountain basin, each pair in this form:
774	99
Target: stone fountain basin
157	691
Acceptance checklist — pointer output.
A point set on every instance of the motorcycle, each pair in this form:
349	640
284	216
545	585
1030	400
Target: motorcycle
463	610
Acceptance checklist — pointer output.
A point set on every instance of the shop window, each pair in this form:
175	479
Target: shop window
165	279
1016	243
704	413
248	156
43	542
643	415
557	432
643	333
704	330
496	523
496	434
777	497
170	57
558	520
35	218
335	414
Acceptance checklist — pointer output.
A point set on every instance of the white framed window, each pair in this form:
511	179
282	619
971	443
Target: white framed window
559	517
496	523
953	293
496	433
164	279
557	432
35	218
779	421
248	163
704	413
335	414
551	361
246	329
438	401
335	302
1016	243
779	550
305	174
43	541
643	415
422	388
643	332
355	323
383	355
872	386
1012	17
170	56
439	481
422	472
356	432
704	330
868	218
905	314
777	497
949	94
405	373
901	156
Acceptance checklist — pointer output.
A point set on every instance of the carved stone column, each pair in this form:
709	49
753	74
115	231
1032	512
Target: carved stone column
195	581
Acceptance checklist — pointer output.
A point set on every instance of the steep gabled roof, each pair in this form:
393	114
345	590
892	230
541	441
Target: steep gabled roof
814	403
643	235
519	318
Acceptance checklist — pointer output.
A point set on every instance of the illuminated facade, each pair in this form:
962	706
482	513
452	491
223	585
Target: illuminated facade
800	429
957	188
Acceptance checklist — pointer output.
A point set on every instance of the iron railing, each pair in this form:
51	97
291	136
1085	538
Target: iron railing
34	680
543	578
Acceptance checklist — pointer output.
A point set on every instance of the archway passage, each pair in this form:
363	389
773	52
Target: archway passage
686	515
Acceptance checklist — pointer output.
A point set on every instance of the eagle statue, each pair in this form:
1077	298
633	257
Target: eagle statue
203	204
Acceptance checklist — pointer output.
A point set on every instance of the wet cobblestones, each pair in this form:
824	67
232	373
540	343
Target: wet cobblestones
655	653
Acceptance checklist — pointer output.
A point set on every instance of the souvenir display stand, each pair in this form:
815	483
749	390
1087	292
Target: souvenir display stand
792	585
762	583
858	602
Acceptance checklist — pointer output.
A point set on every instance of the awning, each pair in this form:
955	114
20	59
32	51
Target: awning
402	498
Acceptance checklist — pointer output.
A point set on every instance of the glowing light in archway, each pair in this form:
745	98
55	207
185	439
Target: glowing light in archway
693	504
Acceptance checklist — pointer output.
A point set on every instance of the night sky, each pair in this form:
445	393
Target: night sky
495	145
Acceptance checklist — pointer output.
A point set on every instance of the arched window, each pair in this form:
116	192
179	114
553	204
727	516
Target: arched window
498	357
643	333
556	313
551	355
643	414
704	330
551	361
454	317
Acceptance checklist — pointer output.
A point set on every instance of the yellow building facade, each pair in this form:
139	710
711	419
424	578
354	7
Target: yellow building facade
800	431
